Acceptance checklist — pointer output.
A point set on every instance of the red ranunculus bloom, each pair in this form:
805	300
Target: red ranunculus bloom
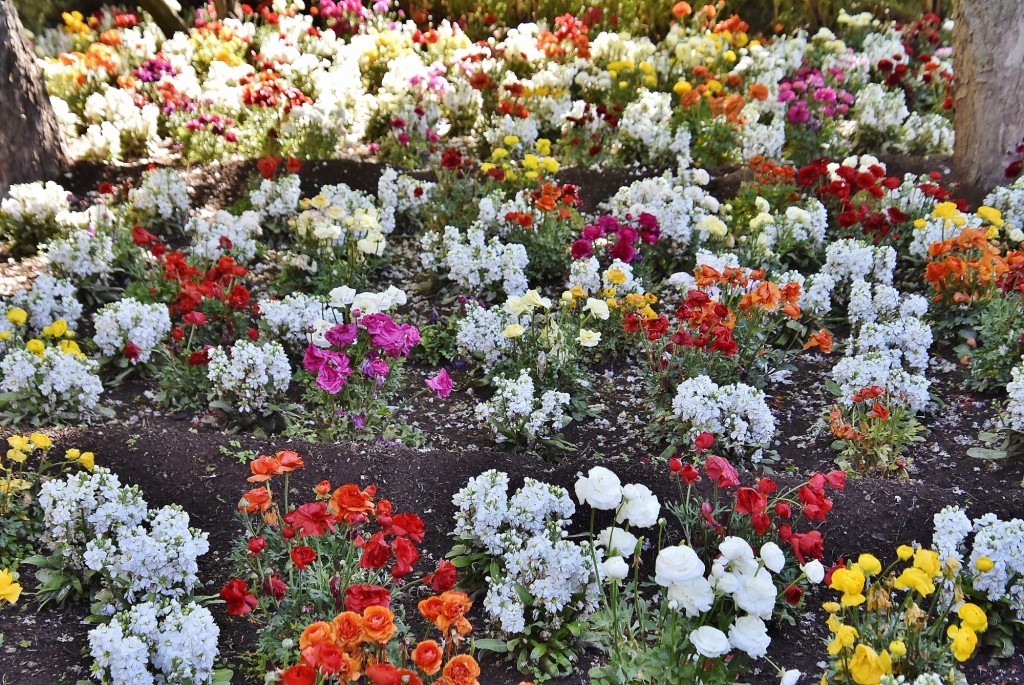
720	469
311	518
299	674
274	586
750	501
406	555
443	579
359	597
303	557
236	595
376	552
704	441
257	545
132	352
407	525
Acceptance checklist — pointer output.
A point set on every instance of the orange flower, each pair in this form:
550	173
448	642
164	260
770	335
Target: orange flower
822	340
289	461
349	502
879	411
322	488
427	657
348	629
257	499
264	468
454	606
430	608
681	9
315	633
758	91
791	310
461	670
378	624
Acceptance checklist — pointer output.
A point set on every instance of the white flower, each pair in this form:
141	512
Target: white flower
677	565
756	593
599	308
600	488
692	597
749	634
790	677
710	642
615	568
617	541
814	570
640	506
773	557
588	338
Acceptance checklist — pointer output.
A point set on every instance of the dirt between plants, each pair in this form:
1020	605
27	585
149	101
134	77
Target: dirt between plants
178	461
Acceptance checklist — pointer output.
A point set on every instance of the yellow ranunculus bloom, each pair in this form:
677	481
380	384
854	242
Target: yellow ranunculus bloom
530	162
73	454
513	330
964	643
9	590
991	215
845	636
984	564
869	564
36	347
550	165
849	581
499	153
915	579
17	316
71	347
831	607
866	667
946	210
40	440
87	460
19	442
5	335
510	141
973	617
17	456
682	87
616	276
928	561
904	552
898	647
58	328
543	146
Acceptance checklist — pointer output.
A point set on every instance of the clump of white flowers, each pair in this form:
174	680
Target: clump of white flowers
293	318
49	300
248	376
736	414
55	385
516	412
678	201
34	202
162	198
131	329
277	200
155	643
846	261
83	256
223	233
475	263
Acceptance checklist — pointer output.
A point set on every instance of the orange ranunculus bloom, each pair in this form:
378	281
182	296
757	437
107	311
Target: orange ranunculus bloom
822	340
427	657
791	292
461	670
430	608
791	310
348	629
758	91
378	624
681	9
289	461
349	502
706	275
264	468
257	499
935	272
454	606
315	633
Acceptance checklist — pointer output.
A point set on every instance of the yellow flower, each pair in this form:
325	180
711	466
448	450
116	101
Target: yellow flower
898	647
17	316
866	667
946	210
991	215
36	347
831	607
9	590
71	347
87	460
40	440
499	153
58	328
650	298
904	552
616	276
869	564
5	335
19	442
682	87
928	561
849	581
486	166
73	454
513	330
973	617
543	146
530	162
915	579
964	643
511	140
984	564
550	165
17	456
845	636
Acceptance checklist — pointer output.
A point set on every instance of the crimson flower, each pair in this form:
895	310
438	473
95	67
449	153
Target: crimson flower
443	579
359	597
303	556
236	595
720	469
311	518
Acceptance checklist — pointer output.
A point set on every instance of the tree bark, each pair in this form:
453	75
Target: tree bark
164	17
988	64
31	142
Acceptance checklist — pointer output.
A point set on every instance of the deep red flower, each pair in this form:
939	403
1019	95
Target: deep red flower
407	525
236	595
303	556
807	545
383	674
794	594
359	597
406	555
311	518
267	167
194	319
376	552
782	510
761	523
690	474
443	579
836	479
750	501
274	586
293	165
704	441
199	358
257	545
766	485
299	674
720	469
132	351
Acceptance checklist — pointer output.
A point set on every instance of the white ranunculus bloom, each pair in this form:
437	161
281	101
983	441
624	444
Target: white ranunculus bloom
736	548
640	506
675	565
615	568
773	557
342	296
790	677
756	593
749	634
693	597
588	338
598	308
617	541
710	642
600	488
814	570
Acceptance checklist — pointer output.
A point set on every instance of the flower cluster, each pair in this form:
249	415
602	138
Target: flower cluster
130	329
248	376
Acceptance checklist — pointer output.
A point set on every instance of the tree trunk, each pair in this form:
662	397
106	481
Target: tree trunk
164	17
988	64
31	142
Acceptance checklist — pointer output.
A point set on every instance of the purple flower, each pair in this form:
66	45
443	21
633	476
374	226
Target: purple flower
314	359
334	373
441	384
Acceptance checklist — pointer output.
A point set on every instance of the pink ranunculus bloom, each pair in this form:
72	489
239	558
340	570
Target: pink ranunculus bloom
342	335
441	384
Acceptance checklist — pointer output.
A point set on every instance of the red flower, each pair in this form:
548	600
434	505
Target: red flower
766	485
451	159
194	319
406	555
324	656
815	504
794	594
199	358
631	322
257	545
106	189
807	545
750	501
443	579
131	352
690	474
177	333
238	298
311	518
299	674
836	479
383	674
359	597
782	510
239	600
761	523
704	441
407	525
376	552
303	557
267	167
293	165
253	334
274	586
720	469
142	237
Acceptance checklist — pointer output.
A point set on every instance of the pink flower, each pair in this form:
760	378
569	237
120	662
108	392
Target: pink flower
441	384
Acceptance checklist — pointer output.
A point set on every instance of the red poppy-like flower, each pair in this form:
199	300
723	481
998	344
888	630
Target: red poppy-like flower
267	167
257	545
132	352
407	525
406	555
359	597
299	674
376	552
690	474
750	501
289	461
274	586
293	165
836	479
303	557
311	518
443	579
238	598
704	441
720	469
794	594
194	318
383	674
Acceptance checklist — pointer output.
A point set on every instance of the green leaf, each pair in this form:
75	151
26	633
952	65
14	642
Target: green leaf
491	645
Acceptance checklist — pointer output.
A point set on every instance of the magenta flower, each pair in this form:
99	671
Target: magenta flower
441	384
